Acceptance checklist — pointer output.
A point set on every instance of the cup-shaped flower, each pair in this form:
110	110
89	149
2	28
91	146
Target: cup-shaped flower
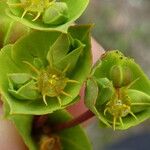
44	139
46	14
118	91
44	71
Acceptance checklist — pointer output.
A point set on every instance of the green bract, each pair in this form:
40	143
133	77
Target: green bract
46	14
118	91
56	14
74	138
10	30
44	71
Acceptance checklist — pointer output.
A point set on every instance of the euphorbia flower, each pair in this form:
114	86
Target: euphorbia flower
46	14
118	91
44	71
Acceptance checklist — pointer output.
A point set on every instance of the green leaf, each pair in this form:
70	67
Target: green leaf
34	49
59	54
25	92
4	23
18	79
15	31
10	30
73	138
91	95
71	58
123	98
138	97
106	87
75	9
59	49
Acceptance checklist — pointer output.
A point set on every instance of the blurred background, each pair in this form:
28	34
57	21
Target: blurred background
122	25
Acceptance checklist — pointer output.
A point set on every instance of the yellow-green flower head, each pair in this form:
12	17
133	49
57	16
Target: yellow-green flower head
46	14
43	73
121	98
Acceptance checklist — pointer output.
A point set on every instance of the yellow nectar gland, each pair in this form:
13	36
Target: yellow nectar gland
34	7
51	82
119	107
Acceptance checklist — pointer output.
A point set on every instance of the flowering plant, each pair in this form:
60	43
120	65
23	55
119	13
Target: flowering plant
44	62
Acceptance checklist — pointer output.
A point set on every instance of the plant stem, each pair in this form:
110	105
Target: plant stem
74	122
39	121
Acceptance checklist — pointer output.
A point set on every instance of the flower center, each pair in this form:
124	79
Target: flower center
118	109
119	106
51	82
33	6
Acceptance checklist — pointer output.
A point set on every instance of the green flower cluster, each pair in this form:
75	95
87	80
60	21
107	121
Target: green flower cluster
121	96
42	71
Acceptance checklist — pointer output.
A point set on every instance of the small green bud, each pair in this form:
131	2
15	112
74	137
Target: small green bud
18	79
120	75
56	14
38	63
22	86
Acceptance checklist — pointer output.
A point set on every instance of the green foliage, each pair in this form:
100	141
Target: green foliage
10	30
121	96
